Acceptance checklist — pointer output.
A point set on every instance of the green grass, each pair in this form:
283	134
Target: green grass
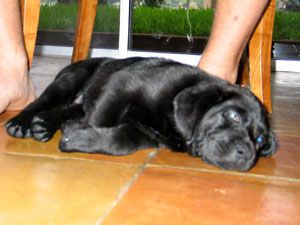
107	19
158	21
287	26
60	16
172	21
63	17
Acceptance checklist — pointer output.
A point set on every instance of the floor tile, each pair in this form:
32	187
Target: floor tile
286	103
32	147
49	66
168	196
166	157
284	163
44	73
286	122
38	191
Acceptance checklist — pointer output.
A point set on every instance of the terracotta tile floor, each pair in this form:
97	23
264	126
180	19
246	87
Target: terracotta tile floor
39	185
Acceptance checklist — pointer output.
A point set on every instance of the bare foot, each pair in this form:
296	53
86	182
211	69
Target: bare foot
16	89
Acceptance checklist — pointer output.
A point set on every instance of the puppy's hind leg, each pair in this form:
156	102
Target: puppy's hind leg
120	140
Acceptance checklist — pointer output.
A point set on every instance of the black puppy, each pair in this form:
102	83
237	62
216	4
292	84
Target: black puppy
118	106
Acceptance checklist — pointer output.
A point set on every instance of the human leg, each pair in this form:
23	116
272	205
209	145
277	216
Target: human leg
233	25
16	89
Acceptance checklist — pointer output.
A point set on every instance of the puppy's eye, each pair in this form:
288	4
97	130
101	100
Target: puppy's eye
261	141
235	117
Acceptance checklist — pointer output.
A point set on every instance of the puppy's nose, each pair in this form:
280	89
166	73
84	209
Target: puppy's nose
63	143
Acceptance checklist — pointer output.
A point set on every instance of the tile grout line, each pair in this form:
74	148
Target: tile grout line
67	158
243	175
126	187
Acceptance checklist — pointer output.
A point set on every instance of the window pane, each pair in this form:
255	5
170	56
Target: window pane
106	28
58	20
56	24
286	34
171	25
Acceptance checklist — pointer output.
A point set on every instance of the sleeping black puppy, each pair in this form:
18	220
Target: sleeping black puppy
118	106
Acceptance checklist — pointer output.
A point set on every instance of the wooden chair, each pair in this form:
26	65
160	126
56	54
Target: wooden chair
84	28
257	69
30	11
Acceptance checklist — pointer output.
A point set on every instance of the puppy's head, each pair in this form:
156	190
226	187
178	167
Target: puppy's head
224	124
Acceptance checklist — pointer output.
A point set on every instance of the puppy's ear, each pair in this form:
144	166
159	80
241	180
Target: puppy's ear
191	104
271	146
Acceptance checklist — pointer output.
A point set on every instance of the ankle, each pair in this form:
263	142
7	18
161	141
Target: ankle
15	67
15	55
215	66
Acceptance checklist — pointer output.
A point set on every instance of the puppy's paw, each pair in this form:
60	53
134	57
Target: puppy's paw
19	126
271	146
76	138
43	127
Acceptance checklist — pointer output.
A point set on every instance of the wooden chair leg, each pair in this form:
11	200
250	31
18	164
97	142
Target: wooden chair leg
84	28
244	80
30	10
260	48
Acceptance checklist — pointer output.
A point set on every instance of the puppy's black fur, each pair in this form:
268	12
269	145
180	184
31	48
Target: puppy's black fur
118	106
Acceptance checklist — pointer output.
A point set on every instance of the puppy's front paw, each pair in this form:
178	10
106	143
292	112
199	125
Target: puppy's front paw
70	141
19	126
43	128
78	138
